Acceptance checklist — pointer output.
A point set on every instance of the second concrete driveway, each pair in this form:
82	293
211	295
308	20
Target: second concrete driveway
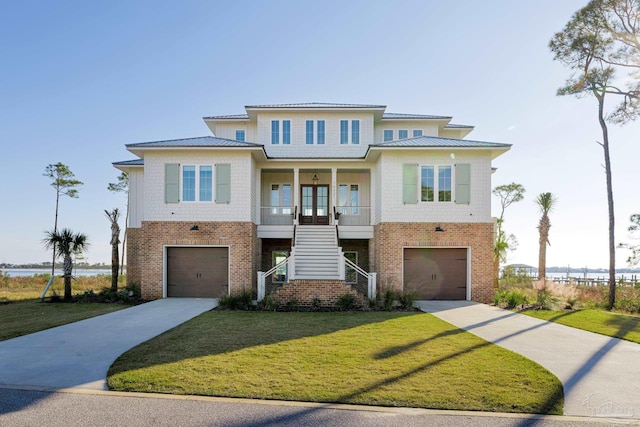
79	354
600	374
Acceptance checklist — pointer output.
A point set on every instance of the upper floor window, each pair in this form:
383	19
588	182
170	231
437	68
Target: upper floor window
388	135
275	132
286	131
417	132
355	131
344	131
240	135
430	187
197	187
320	139
309	131
403	134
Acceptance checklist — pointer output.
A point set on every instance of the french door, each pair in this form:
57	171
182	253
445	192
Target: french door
315	204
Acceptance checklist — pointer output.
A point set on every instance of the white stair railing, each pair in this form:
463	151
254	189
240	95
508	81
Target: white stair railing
262	276
371	277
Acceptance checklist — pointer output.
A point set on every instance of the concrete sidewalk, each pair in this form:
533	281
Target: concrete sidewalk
600	375
79	354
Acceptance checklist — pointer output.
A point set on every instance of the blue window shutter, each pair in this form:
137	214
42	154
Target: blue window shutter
410	184
171	183
463	184
223	183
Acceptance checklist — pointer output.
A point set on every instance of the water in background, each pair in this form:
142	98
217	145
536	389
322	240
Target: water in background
32	271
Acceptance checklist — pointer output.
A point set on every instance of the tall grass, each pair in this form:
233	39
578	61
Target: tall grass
20	288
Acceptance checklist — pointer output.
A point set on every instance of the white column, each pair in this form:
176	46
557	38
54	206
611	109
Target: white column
296	191
334	180
259	195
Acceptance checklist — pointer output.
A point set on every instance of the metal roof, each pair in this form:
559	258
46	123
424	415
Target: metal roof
437	141
230	117
202	141
316	105
453	126
414	116
135	162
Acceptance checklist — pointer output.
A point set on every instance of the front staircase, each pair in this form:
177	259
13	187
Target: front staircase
316	253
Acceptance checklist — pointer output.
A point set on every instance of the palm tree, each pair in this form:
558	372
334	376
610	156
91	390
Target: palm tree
546	202
66	243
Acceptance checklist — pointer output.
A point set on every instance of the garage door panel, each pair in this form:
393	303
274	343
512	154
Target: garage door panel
436	273
197	272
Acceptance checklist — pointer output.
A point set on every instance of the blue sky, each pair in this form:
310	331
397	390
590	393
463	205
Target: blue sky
79	80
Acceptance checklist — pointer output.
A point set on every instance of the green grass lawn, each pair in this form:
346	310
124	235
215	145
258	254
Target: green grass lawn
28	316
599	321
370	358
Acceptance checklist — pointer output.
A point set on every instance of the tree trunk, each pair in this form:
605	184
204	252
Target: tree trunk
55	230
68	269
607	166
114	267
542	260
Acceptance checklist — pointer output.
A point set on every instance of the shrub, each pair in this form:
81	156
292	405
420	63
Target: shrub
406	299
241	301
316	304
387	299
135	288
629	305
346	302
292	305
545	301
268	304
510	299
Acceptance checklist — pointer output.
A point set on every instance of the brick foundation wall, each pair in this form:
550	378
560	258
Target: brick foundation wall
134	253
306	291
145	258
391	238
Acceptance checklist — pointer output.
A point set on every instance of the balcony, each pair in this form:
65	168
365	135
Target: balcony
277	215
353	215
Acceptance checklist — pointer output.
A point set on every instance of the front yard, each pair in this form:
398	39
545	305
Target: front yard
370	358
28	316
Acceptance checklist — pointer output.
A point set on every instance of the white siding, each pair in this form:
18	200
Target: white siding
228	130
428	128
298	147
393	210
136	197
239	209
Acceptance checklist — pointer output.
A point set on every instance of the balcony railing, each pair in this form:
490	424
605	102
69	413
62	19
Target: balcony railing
353	215
277	215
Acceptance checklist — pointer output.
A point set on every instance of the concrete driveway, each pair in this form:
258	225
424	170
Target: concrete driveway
600	375
79	354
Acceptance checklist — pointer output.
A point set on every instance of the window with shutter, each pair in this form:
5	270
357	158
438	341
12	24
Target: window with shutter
463	184
171	183
223	183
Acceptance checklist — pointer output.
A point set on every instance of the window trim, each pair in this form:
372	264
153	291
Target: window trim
197	177
308	132
275	132
319	140
273	264
437	183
